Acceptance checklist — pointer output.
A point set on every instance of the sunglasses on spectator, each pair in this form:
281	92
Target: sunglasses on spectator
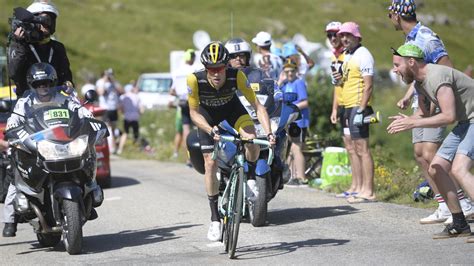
214	70
290	71
331	34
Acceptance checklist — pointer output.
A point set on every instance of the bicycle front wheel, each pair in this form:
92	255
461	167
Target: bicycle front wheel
235	214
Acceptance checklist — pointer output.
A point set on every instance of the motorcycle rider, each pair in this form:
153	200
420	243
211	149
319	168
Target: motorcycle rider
240	54
22	54
41	79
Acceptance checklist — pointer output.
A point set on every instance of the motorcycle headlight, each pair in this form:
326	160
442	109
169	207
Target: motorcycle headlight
55	151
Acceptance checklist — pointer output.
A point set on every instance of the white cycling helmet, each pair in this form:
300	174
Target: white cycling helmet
238	45
43	6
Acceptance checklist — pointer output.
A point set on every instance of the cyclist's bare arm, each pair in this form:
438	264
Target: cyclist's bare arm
193	100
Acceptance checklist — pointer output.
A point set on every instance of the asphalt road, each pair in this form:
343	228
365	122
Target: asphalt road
157	213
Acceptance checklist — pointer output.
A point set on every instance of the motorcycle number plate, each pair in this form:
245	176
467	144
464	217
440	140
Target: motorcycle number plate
56	114
255	86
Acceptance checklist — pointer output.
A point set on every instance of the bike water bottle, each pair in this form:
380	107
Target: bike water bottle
373	118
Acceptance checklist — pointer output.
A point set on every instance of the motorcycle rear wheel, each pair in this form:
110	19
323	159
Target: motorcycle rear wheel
72	227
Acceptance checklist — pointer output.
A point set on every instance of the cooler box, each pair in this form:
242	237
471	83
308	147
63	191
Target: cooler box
336	169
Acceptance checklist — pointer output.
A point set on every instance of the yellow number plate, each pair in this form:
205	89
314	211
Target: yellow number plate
255	86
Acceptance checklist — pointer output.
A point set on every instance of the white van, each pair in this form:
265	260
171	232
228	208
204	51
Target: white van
154	89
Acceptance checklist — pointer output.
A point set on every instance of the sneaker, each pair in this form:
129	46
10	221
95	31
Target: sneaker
296	182
438	216
470	239
451	231
214	232
9	230
468	211
252	189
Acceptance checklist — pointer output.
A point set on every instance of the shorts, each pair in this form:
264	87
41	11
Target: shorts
177	122
185	116
435	135
340	115
302	136
131	124
459	140
356	132
235	114
111	116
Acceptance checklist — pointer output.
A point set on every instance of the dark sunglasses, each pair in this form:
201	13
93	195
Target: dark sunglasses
42	83
241	55
215	69
290	71
331	34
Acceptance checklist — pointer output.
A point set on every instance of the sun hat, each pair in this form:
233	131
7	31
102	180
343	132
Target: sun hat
350	27
289	49
262	38
409	50
333	26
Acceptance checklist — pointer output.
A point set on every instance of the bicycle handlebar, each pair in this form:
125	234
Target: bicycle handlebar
226	138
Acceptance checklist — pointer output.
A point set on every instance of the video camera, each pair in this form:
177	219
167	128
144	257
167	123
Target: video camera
30	23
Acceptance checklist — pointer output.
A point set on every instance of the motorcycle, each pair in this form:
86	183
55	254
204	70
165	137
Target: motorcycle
54	161
269	178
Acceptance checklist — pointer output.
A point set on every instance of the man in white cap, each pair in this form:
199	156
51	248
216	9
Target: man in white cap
264	59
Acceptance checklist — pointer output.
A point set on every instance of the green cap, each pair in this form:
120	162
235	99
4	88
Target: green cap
188	54
409	50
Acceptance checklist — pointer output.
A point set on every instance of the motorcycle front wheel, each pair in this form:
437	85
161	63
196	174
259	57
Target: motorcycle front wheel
72	227
258	206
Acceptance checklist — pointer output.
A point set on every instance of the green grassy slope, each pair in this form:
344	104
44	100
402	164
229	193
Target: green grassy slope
137	36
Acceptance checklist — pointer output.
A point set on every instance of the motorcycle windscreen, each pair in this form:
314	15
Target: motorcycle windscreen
55	133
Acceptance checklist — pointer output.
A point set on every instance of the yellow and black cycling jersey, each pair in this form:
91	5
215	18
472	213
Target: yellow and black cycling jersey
202	93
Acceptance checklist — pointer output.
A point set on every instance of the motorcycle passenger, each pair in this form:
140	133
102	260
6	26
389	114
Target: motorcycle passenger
24	52
41	79
212	99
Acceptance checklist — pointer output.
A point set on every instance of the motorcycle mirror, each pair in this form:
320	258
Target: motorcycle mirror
91	96
5	106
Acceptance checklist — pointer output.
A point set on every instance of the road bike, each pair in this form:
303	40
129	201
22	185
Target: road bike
231	150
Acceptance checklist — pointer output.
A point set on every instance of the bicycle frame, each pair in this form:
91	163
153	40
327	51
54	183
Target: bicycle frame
233	201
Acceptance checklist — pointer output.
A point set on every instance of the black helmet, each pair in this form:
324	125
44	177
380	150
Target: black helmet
214	54
40	73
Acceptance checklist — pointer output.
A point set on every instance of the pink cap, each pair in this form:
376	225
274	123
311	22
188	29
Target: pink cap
350	27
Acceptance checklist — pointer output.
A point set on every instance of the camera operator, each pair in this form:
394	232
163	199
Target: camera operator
31	43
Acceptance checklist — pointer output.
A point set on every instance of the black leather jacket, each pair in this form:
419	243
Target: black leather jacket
21	57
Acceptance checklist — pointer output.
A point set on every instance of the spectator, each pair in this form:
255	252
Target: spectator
132	109
180	89
109	91
426	141
294	52
357	85
453	93
264	59
338	110
289	82
88	86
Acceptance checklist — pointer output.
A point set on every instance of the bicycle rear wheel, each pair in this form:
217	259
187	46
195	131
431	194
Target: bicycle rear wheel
235	213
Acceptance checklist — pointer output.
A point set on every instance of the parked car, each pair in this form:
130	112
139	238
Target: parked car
5	169
103	174
154	89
